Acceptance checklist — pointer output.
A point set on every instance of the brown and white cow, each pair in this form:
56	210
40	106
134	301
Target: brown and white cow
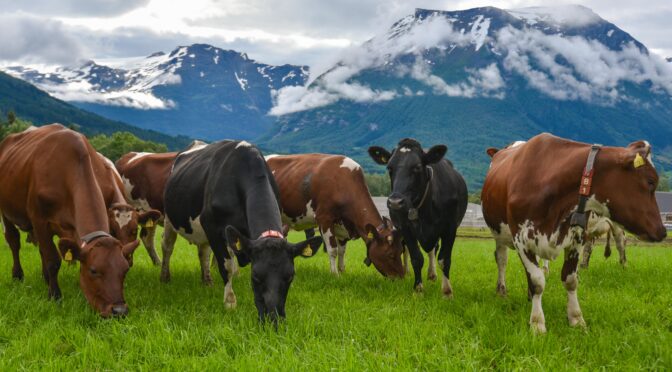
124	219
48	186
610	229
531	192
144	176
329	192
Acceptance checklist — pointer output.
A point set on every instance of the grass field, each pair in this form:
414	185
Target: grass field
359	321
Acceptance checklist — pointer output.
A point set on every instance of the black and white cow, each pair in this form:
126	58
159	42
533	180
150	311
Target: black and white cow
427	203
224	195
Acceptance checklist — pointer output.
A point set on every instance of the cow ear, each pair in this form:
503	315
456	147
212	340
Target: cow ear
149	218
491	151
379	155
371	233
128	250
69	250
236	241
307	248
634	159
435	154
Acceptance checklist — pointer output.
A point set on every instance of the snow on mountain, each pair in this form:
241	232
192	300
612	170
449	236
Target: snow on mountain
565	52
225	91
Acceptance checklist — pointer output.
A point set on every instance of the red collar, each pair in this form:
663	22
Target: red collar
271	234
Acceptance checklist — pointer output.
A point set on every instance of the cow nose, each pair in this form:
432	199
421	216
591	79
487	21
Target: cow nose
394	203
120	310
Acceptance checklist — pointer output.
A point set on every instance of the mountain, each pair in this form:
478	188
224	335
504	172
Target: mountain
478	78
198	90
39	107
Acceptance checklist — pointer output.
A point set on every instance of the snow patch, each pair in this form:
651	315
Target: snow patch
241	81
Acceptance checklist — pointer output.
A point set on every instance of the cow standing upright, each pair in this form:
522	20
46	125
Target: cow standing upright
48	186
144	176
329	192
223	195
427	203
541	198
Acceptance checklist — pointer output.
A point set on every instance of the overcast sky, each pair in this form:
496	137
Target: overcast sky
271	31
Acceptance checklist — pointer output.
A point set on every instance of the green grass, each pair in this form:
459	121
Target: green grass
359	321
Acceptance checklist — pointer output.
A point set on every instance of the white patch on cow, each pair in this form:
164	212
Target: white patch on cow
649	157
303	222
544	246
518	143
404	149
267	157
141	204
138	155
197	235
123	218
194	148
332	251
243	144
350	164
30	128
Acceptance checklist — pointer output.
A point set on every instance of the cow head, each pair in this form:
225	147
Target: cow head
272	268
630	190
409	168
124	222
384	250
103	266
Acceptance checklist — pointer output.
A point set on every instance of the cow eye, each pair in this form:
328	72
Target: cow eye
652	185
93	271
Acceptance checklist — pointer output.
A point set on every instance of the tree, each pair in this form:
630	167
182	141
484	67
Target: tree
11	117
120	143
378	184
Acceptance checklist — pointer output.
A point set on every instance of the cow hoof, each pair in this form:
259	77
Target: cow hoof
501	290
538	328
583	265
207	282
448	294
17	275
624	265
156	262
419	288
577	322
230	301
431	277
165	277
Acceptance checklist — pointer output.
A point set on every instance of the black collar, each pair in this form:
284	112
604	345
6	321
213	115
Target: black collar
579	217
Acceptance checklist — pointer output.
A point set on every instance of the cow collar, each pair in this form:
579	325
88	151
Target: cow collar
579	217
413	212
88	238
271	234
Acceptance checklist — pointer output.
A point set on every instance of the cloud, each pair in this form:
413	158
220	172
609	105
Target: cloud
408	37
73	8
30	39
574	68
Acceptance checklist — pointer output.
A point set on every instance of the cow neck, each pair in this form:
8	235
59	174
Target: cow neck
414	211
579	217
363	213
90	213
262	209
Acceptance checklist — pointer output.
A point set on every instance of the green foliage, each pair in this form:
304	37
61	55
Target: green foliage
11	117
358	321
120	143
475	197
378	184
17	125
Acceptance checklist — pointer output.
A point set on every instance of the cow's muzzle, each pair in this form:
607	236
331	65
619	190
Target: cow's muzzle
395	203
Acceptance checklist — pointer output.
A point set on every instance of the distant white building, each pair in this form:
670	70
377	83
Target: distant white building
472	218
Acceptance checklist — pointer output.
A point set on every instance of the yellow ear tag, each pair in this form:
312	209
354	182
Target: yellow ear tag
384	159
149	223
639	161
307	252
370	236
238	247
68	256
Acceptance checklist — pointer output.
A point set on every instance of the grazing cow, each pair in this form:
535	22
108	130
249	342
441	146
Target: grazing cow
48	186
223	195
329	192
144	176
608	228
428	202
533	203
124	219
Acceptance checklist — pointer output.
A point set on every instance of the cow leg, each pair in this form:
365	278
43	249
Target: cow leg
332	248
341	255
417	261
147	236
619	239
204	257
570	280
536	281
167	246
309	233
13	239
587	251
545	267
225	261
445	260
431	269
51	261
502	259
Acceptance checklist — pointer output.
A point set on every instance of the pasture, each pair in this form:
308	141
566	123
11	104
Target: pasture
359	321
